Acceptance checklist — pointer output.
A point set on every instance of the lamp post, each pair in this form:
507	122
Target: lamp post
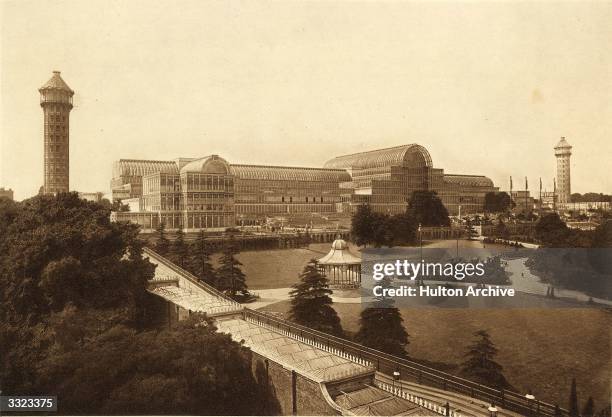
492	411
530	397
396	376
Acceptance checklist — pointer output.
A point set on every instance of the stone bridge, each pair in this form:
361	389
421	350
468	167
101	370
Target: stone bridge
312	373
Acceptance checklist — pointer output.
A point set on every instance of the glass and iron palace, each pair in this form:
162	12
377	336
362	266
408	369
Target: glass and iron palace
214	194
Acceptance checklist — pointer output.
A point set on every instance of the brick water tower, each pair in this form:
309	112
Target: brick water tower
563	151
56	102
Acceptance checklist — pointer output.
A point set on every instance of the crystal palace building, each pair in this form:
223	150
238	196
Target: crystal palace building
211	193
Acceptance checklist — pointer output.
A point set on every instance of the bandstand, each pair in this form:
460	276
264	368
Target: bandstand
340	266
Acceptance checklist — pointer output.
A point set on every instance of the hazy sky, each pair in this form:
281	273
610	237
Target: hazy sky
487	88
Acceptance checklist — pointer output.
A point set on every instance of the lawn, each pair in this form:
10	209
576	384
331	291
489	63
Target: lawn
277	268
540	349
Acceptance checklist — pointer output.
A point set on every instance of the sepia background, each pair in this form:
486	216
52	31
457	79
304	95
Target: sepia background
487	87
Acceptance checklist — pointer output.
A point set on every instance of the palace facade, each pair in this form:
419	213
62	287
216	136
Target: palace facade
210	193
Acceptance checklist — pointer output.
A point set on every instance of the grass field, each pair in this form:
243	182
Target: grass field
277	268
539	349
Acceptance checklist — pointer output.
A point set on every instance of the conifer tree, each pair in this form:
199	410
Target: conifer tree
311	302
230	278
199	260
589	408
382	328
362	227
163	244
573	400
480	363
179	248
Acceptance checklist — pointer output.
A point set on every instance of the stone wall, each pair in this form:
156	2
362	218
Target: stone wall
290	392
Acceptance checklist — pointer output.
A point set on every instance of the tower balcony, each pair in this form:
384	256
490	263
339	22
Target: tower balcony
55	97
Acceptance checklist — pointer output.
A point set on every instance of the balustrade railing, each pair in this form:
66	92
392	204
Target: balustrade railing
409	370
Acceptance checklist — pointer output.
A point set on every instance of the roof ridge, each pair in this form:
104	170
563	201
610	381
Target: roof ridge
374	150
286	167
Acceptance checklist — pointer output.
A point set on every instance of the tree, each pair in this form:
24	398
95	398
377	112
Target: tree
199	260
426	208
188	369
311	304
381	326
179	249
552	231
75	321
403	228
368	227
163	244
589	408
480	364
573	400
362	227
602	236
497	202
60	251
230	278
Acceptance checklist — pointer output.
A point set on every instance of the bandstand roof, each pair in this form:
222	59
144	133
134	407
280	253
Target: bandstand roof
339	255
405	155
275	173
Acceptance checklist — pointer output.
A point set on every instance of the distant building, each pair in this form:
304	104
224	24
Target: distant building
210	193
548	200
523	201
96	197
56	102
386	178
6	193
584	206
563	151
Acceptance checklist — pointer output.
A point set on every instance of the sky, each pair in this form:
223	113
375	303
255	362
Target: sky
487	87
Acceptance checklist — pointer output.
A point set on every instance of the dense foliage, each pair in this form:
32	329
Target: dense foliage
311	304
590	197
427	209
369	227
76	321
497	202
575	259
199	260
229	277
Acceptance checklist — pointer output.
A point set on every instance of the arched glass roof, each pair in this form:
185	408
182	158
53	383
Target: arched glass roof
411	155
139	167
468	180
263	172
208	165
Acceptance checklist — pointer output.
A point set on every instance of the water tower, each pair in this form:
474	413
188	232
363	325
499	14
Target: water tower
563	151
56	102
